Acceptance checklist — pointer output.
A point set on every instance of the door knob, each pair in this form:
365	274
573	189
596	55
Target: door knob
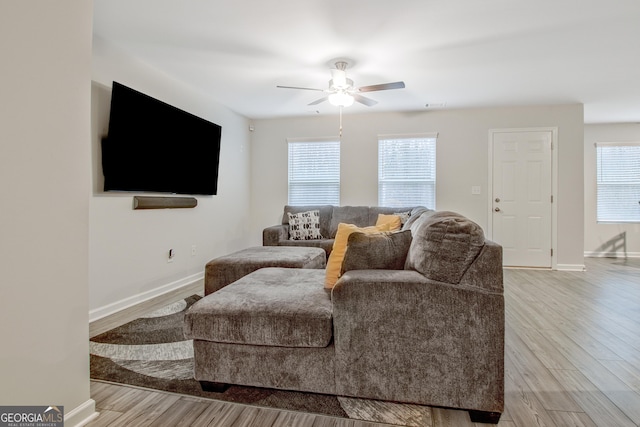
497	209
497	199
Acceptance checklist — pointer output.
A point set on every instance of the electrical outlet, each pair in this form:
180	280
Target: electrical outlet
172	254
193	250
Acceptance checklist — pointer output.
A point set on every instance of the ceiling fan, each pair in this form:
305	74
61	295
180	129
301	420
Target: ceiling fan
341	91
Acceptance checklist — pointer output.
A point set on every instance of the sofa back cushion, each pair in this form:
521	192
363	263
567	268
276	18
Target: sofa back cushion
444	245
362	216
415	214
377	251
325	212
356	215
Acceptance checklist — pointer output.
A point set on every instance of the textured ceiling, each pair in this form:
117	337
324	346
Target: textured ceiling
465	53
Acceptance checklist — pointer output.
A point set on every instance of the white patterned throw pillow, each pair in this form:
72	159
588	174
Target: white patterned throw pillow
304	225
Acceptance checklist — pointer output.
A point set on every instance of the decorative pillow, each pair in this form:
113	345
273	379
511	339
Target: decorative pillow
404	216
393	220
334	263
304	225
377	251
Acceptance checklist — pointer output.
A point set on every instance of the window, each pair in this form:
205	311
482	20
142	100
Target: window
618	182
314	172
407	171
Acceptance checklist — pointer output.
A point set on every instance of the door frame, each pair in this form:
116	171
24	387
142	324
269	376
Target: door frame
554	184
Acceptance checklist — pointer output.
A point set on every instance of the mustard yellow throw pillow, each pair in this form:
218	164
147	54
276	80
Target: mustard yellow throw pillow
394	221
334	264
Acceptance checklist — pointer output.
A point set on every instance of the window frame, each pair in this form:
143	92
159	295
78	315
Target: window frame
300	181
602	184
430	181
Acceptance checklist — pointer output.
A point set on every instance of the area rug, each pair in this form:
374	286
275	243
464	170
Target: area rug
151	352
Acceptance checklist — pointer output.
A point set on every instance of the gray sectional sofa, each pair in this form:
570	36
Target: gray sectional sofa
330	217
428	331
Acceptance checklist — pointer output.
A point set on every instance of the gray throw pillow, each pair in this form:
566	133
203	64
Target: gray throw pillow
376	251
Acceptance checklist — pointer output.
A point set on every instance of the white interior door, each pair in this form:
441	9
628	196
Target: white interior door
522	196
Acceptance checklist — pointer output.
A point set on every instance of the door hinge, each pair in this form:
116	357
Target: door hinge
551	251
552	198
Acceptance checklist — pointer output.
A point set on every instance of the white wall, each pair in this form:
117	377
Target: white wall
128	249
462	161
606	239
44	208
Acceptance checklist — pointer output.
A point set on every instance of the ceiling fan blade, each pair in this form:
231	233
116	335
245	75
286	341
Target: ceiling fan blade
383	86
318	101
303	88
364	100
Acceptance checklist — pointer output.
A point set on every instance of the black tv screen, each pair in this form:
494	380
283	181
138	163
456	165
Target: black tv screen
155	147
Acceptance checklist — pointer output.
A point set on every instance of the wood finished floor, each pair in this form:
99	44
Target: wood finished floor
572	359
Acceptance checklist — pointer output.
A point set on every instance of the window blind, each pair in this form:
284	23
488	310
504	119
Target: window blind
618	182
314	172
407	171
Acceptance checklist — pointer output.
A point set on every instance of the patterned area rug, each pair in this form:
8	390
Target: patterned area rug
151	352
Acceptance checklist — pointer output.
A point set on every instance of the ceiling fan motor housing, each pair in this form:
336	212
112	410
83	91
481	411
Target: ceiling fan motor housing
348	84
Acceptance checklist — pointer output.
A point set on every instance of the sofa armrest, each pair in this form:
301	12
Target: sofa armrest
274	234
400	336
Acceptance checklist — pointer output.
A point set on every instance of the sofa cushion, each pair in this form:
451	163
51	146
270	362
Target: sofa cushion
357	215
414	215
334	263
286	307
377	251
444	245
224	270
325	244
304	225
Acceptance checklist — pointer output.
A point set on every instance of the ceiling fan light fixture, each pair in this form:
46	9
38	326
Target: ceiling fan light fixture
341	99
339	79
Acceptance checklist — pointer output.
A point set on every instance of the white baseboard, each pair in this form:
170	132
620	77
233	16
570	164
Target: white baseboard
81	415
571	267
109	309
596	254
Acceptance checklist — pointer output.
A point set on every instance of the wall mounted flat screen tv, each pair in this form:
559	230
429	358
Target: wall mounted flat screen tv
154	147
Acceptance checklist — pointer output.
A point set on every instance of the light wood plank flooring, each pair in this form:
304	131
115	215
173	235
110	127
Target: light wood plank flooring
572	359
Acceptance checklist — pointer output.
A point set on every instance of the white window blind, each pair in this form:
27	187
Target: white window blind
314	172
407	171
618	182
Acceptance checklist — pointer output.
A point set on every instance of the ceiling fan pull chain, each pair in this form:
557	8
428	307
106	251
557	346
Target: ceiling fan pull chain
341	121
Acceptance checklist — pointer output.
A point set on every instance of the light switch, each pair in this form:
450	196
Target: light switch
475	189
